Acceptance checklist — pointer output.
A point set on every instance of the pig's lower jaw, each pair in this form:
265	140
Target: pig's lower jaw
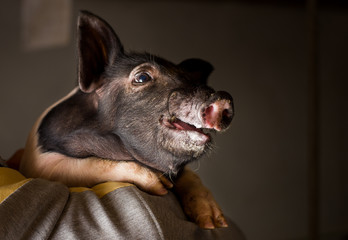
183	140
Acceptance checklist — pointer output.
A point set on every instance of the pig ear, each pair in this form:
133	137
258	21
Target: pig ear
98	46
198	69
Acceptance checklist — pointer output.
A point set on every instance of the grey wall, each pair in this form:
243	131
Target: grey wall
258	171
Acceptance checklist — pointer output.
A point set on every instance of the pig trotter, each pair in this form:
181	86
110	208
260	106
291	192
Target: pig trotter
198	202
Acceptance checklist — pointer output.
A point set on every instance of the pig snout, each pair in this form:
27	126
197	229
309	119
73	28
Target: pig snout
217	113
202	109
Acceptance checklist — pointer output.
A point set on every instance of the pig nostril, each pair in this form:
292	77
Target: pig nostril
208	111
225	113
226	117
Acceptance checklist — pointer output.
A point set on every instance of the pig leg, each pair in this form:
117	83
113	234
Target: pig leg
198	202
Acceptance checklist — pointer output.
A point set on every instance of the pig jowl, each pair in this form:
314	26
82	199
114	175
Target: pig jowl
134	106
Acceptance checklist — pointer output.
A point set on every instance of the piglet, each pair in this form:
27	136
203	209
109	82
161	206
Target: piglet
134	117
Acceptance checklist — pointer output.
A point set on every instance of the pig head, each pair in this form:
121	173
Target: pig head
132	106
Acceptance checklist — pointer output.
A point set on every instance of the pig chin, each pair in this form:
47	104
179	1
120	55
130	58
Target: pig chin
183	139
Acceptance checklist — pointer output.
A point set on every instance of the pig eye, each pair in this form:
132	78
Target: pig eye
141	78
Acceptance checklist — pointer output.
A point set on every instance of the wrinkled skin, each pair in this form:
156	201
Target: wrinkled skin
134	117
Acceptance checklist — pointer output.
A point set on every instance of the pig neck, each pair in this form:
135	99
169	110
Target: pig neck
73	128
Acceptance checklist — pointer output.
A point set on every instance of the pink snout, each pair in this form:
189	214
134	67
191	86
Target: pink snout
218	114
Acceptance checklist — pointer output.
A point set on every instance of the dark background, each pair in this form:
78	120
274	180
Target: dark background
259	170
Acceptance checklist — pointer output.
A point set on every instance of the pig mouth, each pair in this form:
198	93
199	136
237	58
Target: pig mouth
197	135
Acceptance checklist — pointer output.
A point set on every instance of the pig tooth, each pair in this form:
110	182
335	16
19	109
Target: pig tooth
197	125
172	119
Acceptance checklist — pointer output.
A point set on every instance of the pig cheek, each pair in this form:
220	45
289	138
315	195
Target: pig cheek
137	131
137	141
